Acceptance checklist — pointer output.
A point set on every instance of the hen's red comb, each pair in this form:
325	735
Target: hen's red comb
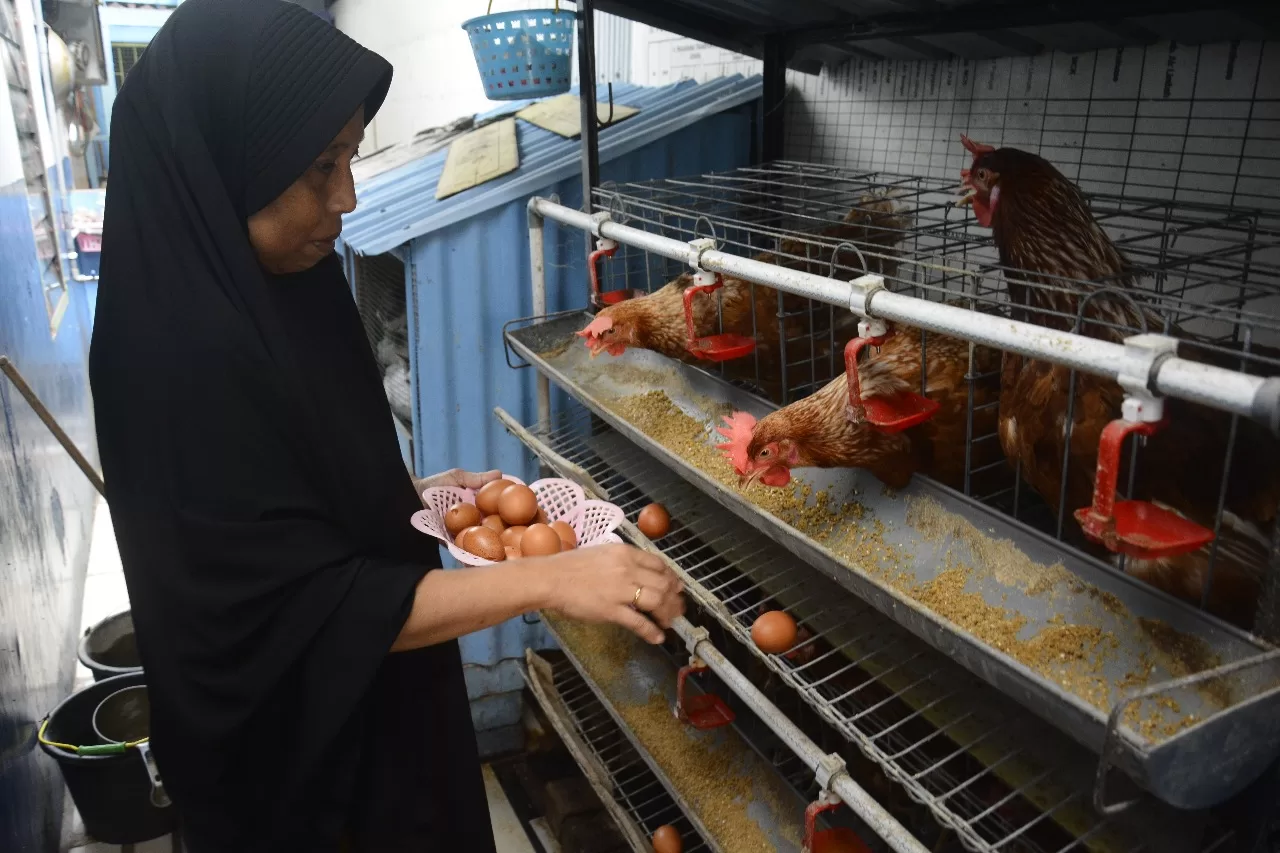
740	428
596	327
975	148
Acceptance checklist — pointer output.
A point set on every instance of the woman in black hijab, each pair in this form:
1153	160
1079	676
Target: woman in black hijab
300	651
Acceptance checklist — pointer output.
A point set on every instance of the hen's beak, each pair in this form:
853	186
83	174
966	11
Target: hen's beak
750	478
967	189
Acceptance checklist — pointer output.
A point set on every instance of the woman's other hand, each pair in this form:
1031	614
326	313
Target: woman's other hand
456	477
603	582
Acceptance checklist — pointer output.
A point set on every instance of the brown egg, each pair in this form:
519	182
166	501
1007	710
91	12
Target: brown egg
654	521
461	516
511	536
541	517
566	546
774	632
485	543
487	497
513	553
539	540
565	533
667	840
517	505
461	539
494	523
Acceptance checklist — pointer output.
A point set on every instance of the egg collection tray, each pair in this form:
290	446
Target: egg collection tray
593	522
1153	649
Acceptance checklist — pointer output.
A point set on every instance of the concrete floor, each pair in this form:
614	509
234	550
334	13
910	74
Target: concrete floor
105	594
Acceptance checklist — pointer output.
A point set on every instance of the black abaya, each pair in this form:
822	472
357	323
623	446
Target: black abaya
252	470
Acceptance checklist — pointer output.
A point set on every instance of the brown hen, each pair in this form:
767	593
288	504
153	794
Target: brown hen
1056	255
656	322
816	432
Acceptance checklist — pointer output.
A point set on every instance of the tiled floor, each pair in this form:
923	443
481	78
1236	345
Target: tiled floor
105	594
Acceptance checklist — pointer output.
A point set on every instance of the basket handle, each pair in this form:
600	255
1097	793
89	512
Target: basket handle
490	11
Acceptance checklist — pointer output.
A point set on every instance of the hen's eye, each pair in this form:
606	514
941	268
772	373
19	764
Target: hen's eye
983	174
766	453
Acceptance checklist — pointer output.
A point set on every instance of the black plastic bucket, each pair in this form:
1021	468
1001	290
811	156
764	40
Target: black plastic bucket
110	647
113	793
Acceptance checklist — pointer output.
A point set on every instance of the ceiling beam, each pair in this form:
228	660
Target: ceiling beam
1016	42
1007	15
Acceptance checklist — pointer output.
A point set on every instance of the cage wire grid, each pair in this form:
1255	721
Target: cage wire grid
1166	119
380	300
908	709
636	789
1207	274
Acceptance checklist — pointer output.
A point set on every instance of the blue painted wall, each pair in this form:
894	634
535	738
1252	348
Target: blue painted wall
467	279
464	282
46	517
122	25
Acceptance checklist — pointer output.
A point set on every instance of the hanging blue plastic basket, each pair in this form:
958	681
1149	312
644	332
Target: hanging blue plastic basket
525	54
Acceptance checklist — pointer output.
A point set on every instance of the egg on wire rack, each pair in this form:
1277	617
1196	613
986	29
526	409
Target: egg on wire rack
774	632
654	521
667	840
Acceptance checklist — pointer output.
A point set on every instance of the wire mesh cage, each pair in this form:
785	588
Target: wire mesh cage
1023	436
996	778
380	299
634	786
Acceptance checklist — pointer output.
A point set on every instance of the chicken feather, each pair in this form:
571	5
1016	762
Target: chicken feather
1060	263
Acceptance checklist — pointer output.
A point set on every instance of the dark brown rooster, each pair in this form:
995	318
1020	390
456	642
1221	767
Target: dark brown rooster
816	432
1055	255
657	322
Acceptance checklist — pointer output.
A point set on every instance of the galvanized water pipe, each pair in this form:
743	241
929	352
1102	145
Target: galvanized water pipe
538	273
1239	393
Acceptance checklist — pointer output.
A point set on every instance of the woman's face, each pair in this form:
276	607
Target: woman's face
297	230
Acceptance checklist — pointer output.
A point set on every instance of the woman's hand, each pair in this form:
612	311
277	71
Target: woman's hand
603	582
456	477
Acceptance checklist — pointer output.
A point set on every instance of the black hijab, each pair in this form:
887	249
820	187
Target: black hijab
253	476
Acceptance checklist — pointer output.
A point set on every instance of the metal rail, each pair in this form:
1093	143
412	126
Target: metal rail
9	369
946	738
1228	390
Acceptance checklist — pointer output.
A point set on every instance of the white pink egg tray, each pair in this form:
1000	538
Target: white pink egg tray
562	500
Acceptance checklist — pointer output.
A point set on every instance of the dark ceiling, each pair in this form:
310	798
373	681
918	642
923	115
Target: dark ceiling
828	32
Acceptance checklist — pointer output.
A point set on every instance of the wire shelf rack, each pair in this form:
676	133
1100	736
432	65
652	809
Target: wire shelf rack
1207	275
632	785
986	770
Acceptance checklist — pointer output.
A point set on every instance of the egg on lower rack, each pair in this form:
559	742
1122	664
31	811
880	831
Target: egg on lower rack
654	521
774	632
667	840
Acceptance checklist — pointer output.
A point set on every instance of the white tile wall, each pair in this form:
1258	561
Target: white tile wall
1195	123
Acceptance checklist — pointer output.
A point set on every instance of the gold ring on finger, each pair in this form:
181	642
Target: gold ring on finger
635	599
